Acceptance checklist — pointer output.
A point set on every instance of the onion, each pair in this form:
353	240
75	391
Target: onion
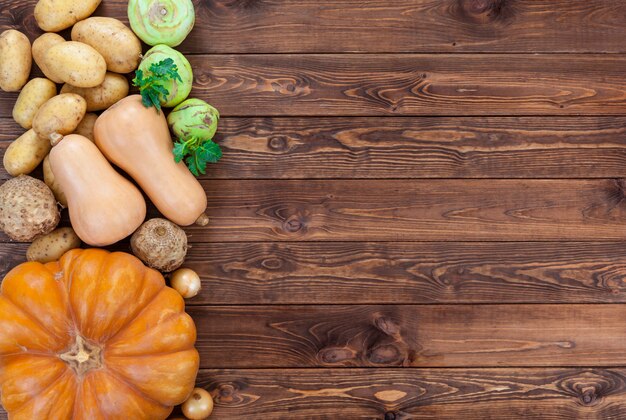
186	282
199	406
161	21
193	118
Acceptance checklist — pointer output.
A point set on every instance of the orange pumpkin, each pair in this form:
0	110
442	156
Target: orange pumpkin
96	335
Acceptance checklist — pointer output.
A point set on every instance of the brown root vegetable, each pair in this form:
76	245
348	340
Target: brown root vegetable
85	128
114	88
41	46
186	282
160	244
52	183
25	153
27	209
52	246
59	116
15	60
36	93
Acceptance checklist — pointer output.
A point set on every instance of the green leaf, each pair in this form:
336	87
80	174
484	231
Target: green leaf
210	152
180	150
152	87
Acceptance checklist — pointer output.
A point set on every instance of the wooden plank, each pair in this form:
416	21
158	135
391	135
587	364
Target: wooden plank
493	147
417	393
398	273
401	84
417	336
411	210
279	26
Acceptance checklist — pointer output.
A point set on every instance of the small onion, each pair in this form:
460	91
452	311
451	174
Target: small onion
186	282
178	91
161	21
199	406
193	118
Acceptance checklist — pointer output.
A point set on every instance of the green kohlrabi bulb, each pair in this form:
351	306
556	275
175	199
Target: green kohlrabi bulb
193	118
178	91
161	21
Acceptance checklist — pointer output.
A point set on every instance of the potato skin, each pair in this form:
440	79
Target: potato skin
25	153
56	15
85	128
76	63
52	246
15	60
59	116
36	93
114	88
52	183
119	46
41	46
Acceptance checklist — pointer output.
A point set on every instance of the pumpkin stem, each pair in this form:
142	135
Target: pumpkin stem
82	356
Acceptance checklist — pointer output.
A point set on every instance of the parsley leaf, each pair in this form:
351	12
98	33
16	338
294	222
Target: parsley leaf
151	85
197	153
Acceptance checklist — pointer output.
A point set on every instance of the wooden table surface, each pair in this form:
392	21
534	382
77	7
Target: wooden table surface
420	212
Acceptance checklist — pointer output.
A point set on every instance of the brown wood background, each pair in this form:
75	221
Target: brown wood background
421	210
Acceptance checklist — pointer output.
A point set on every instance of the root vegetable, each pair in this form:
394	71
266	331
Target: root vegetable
41	46
101	97
36	93
59	116
161	21
27	209
15	60
52	246
86	126
104	206
186	282
160	244
193	118
56	15
52	183
199	406
76	63
119	46
25	153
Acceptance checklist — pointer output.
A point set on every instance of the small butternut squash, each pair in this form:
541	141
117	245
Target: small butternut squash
137	139
104	206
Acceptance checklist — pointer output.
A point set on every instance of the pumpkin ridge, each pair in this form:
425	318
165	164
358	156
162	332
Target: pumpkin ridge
120	378
51	384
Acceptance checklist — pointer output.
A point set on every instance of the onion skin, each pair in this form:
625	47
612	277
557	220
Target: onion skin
193	118
178	91
161	21
199	406
186	282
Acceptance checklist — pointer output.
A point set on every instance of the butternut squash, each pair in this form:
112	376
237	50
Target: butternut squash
104	206
137	139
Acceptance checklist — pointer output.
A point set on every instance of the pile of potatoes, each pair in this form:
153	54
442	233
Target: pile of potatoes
83	75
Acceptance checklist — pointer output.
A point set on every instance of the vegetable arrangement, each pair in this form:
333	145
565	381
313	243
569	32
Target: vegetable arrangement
60	310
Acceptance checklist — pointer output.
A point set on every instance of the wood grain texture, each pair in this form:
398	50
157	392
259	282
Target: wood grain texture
398	273
547	394
280	26
493	147
407	84
417	336
414	210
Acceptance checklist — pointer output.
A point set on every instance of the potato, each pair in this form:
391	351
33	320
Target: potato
119	46
36	93
56	15
41	46
52	246
114	88
51	182
76	63
15	60
27	209
85	128
59	116
25	153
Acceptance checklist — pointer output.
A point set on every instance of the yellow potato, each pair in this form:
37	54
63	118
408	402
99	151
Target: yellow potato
41	46
85	128
76	63
52	246
56	15
32	97
51	182
59	116
119	46
114	88
25	153
15	60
